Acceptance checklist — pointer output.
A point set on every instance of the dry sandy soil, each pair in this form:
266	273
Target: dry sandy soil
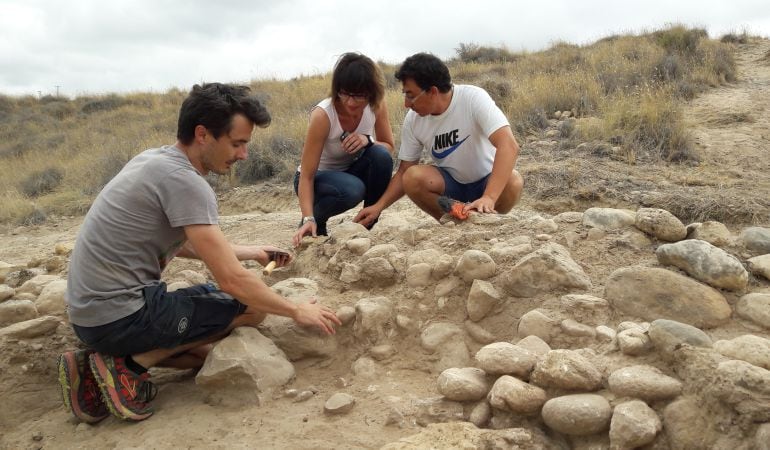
732	128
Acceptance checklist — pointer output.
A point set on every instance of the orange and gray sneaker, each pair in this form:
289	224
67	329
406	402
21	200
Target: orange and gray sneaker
126	394
79	389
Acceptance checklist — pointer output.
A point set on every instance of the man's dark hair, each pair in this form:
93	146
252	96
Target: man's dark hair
358	74
426	70
213	105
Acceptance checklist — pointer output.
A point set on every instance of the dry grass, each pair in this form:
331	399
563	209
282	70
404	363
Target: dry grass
625	90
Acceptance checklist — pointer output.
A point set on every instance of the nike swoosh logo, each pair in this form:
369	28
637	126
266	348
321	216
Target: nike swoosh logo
448	151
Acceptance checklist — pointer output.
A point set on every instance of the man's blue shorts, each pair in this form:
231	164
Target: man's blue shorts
167	320
462	192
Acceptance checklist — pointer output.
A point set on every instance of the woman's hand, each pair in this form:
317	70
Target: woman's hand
353	143
308	227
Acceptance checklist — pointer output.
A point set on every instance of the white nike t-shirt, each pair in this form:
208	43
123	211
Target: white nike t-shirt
457	139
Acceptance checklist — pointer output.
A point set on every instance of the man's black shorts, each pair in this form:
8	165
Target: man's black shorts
167	320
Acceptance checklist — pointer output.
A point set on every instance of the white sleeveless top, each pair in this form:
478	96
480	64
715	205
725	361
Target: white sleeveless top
333	157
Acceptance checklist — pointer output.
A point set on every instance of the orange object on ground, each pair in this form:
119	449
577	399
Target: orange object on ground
452	207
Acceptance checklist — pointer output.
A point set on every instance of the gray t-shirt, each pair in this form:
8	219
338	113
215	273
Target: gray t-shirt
133	229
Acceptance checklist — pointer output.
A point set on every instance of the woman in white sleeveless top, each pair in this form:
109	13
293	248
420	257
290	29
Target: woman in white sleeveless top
347	156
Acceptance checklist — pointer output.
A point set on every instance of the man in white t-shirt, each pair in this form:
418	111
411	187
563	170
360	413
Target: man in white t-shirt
469	140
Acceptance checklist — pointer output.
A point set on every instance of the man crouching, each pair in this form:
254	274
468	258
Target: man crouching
160	206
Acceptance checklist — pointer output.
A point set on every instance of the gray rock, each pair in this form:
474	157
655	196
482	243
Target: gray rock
436	409
446	286
535	323
348	230
633	425
192	277
176	285
463	384
634	342
378	271
661	224
373	316
608	218
755	308
535	345
643	382
705	262
478	333
339	403
454	353
566	369
482	298
715	233
569	217
684	421
586	308
365	367
667	335
578	414
503	252
36	284
428	256
51	299
756	240
605	333
475	265
438	333
443	267
547	269
346	314
31	328
744	387
6	292
358	246
762	437
652	293
480	414
503	358
511	394
760	266
576	329
382	352
243	367
15	311
296	288
749	348
418	275
296	341
350	273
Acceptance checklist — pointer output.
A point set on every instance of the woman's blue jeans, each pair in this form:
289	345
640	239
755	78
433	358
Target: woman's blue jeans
338	191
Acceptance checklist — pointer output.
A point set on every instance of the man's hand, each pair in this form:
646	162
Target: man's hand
267	253
482	205
308	227
313	314
368	215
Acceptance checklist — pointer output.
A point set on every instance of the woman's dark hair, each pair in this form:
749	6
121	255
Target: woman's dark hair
355	73
213	105
426	70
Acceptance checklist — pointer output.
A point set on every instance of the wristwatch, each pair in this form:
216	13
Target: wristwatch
306	219
371	141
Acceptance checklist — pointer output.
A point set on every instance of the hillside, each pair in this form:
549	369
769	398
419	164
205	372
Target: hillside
570	286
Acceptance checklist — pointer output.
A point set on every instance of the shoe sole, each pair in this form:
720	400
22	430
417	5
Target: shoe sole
111	395
69	381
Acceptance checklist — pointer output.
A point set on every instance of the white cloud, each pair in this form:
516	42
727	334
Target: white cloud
89	46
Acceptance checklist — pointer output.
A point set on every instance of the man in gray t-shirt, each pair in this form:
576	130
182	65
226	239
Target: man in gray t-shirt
158	207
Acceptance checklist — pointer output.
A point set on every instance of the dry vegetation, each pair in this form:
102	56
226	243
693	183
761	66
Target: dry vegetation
626	92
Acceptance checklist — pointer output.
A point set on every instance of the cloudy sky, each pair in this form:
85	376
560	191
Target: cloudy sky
98	46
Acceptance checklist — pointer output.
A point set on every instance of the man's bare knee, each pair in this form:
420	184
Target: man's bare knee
511	194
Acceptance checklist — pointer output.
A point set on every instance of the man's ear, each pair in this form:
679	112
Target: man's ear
200	134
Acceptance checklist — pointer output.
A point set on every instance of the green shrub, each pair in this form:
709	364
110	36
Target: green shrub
680	39
472	52
42	182
107	103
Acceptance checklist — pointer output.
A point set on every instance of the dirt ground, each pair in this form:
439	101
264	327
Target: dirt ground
732	129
